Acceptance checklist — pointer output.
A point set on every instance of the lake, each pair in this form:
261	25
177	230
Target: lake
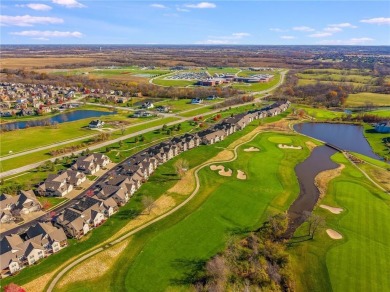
60	118
346	137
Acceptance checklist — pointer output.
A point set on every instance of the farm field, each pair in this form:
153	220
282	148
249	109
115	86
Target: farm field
215	214
361	99
357	261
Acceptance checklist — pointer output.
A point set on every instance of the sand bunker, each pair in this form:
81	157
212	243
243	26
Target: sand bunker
283	146
334	210
241	175
334	234
221	169
252	149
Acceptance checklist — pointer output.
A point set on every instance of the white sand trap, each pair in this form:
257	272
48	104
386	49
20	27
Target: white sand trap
334	210
283	146
221	169
334	234
241	175
252	149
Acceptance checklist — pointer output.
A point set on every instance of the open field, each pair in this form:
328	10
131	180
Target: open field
361	99
29	63
356	262
247	73
215	214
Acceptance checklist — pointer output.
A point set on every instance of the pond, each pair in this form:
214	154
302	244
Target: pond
346	137
60	118
318	161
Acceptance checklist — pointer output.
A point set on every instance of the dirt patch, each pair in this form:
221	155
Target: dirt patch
310	145
241	175
323	178
333	234
283	146
252	149
95	266
333	210
222	170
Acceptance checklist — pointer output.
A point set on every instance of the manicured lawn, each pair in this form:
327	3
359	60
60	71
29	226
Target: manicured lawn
224	207
220	70
44	154
250	87
197	111
247	73
358	261
319	113
376	140
34	137
360	99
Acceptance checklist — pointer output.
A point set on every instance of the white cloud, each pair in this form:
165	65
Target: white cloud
182	9
69	3
378	20
159	6
332	29
48	34
287	37
240	34
344	25
201	5
320	34
303	28
278	29
36	6
352	41
28	20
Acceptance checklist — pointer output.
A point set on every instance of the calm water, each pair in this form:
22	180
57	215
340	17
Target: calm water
347	137
318	161
61	118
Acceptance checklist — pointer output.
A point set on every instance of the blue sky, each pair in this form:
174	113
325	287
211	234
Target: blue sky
202	22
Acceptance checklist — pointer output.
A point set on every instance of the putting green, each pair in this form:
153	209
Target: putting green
280	139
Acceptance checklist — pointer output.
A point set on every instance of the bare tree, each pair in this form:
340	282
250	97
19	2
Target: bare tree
148	203
314	223
123	129
217	270
181	166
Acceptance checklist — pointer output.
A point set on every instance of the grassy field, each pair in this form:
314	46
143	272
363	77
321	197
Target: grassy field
360	99
176	83
376	141
358	261
35	137
251	87
224	207
219	70
44	154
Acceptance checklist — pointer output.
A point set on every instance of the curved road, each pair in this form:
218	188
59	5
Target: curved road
123	237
